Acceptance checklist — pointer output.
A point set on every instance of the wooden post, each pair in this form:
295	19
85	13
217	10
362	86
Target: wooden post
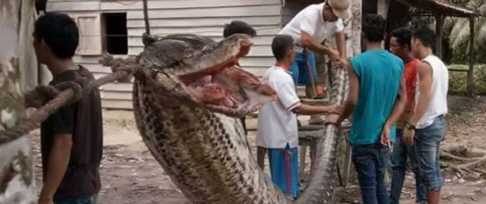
347	159
261	157
470	72
439	22
383	6
302	164
146	17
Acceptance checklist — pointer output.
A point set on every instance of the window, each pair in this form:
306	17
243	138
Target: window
115	33
89	35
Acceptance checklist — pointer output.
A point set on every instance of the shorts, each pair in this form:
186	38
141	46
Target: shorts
427	148
284	169
300	70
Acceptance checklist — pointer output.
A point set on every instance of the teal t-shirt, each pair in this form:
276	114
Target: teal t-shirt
379	74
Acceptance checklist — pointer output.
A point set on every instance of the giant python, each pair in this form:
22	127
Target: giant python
187	97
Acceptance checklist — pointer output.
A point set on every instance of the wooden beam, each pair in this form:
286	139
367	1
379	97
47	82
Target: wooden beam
383	6
439	22
146	17
85	5
470	73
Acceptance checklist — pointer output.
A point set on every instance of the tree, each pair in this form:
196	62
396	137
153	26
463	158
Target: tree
457	32
16	166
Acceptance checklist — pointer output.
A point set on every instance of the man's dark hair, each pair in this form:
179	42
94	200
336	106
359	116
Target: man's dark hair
59	32
238	27
374	28
426	36
281	45
403	36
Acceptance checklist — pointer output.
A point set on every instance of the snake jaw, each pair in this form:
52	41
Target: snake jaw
232	91
205	72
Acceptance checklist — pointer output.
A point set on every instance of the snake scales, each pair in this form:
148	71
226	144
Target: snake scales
203	147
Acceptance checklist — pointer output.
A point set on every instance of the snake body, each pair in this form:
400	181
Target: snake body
205	153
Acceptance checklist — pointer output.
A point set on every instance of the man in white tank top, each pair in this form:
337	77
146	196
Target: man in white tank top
426	128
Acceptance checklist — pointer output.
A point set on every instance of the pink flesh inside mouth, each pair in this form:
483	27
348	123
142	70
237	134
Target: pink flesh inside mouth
227	86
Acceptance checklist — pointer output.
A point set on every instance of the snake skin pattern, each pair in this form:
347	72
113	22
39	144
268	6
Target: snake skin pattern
323	179
206	154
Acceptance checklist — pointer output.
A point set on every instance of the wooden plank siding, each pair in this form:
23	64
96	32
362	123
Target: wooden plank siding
203	17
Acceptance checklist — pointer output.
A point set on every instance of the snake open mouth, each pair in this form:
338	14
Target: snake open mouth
227	88
207	71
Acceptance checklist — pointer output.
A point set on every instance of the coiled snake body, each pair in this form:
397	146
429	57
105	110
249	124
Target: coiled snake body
201	145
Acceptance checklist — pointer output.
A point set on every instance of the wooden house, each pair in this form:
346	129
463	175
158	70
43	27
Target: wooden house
116	26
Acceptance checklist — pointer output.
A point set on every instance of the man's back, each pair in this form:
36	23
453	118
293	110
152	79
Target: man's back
277	125
311	21
410	75
84	121
379	73
438	98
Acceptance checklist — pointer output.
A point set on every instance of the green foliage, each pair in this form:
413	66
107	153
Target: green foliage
458	80
457	31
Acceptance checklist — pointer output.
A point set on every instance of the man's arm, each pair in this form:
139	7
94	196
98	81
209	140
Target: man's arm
425	77
352	100
57	164
304	109
62	122
289	99
395	114
341	44
399	106
309	42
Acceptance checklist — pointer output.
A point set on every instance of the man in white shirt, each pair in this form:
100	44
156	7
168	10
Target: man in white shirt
426	128
309	28
277	120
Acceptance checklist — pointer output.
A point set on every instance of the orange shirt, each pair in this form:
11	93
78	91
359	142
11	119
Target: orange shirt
410	75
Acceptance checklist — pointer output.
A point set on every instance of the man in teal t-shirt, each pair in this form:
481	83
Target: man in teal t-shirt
376	99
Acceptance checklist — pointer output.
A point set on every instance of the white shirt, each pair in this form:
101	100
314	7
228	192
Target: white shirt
440	85
277	124
311	21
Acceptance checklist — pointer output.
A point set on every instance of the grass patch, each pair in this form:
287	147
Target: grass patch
458	80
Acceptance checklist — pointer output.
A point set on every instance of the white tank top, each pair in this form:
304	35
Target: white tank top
440	85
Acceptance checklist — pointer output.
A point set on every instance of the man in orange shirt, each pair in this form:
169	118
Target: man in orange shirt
400	45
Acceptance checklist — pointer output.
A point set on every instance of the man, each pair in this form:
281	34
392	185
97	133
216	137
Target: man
375	83
309	28
71	138
400	45
277	120
426	128
239	27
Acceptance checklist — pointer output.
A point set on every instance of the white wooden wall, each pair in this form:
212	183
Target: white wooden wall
204	17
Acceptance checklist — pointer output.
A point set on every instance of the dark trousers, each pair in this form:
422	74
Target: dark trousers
399	156
370	162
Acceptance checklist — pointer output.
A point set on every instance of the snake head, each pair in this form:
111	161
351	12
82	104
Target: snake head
206	72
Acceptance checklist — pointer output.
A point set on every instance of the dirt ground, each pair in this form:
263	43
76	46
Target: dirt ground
131	175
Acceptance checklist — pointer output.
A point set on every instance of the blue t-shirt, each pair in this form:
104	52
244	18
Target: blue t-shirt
379	73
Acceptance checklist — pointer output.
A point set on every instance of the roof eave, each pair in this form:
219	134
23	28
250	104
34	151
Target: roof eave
447	8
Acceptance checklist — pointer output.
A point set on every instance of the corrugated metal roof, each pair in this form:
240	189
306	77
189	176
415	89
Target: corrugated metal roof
443	6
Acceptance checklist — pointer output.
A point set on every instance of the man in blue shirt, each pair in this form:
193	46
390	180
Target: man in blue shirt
377	97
